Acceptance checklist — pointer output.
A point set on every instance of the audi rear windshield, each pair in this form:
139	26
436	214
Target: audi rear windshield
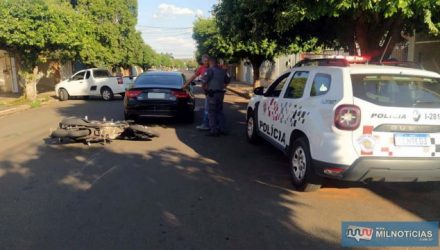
159	80
397	90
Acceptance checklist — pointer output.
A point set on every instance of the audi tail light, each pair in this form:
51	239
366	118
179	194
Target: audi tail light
180	93
133	93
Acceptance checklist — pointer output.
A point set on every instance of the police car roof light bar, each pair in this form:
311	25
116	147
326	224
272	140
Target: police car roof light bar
338	62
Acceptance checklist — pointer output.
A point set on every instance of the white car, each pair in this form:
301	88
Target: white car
92	82
351	122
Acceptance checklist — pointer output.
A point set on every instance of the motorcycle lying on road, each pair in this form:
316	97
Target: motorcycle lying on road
83	130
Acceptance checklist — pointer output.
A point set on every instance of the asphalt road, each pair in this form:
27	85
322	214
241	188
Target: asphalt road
180	191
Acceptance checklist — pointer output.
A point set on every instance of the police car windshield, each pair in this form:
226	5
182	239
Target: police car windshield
397	90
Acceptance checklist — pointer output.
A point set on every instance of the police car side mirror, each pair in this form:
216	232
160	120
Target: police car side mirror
259	91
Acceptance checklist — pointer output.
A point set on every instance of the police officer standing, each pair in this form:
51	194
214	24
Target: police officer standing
214	83
200	72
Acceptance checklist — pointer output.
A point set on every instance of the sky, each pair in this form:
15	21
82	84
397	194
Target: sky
166	25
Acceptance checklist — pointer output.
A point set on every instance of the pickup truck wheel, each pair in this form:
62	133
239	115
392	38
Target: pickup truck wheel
63	95
251	128
106	94
301	169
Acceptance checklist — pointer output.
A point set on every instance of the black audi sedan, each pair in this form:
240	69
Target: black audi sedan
159	94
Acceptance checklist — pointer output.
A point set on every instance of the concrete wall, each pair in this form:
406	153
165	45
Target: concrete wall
427	53
269	70
54	72
5	74
8	74
244	72
425	50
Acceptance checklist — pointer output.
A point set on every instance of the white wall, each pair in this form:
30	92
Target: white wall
269	70
6	73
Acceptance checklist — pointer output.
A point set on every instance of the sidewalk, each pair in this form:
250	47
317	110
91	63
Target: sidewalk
242	89
15	103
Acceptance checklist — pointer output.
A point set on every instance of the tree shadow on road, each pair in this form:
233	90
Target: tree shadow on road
267	166
130	195
224	194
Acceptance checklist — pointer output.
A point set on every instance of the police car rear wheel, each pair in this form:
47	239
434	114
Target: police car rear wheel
251	128
303	176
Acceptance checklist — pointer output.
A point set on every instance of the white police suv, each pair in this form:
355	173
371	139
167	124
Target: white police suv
352	122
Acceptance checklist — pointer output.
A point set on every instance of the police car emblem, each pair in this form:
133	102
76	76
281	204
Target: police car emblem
416	115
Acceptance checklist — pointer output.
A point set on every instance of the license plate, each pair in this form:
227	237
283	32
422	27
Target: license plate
156	95
418	140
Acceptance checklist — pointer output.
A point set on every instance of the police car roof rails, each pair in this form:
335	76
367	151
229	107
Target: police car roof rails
406	64
338	62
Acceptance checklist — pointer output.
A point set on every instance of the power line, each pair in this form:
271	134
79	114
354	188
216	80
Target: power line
162	27
167	34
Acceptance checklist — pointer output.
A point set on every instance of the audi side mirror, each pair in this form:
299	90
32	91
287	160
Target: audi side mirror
259	91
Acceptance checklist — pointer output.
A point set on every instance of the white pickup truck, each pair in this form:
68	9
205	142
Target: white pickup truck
92	82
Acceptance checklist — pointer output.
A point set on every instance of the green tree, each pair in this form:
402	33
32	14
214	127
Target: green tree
378	25
374	25
36	31
210	41
179	63
97	32
113	40
191	64
166	60
148	57
237	21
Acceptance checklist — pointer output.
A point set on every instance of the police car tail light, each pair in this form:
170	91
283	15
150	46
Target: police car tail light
347	117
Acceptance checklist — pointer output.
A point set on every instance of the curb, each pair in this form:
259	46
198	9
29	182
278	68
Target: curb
243	94
13	110
19	108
